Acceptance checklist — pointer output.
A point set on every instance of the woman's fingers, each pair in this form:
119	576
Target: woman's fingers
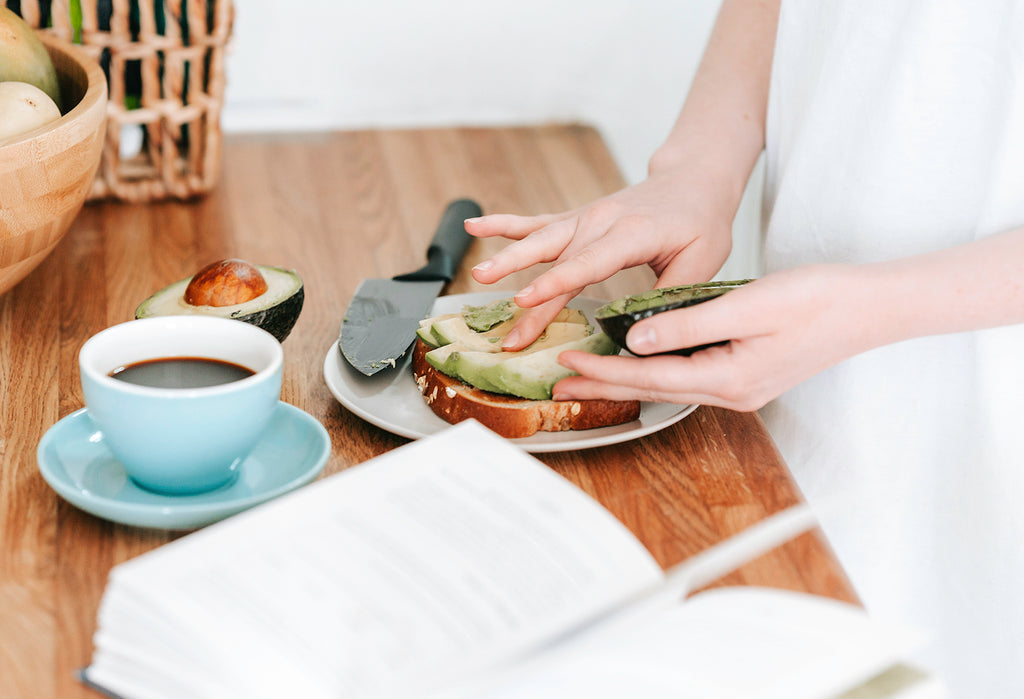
543	245
658	379
533	322
509	225
583	388
648	375
729	317
673	330
621	246
577	264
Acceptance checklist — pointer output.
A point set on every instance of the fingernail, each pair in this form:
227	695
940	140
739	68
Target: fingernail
484	266
511	339
642	339
524	292
471	220
559	395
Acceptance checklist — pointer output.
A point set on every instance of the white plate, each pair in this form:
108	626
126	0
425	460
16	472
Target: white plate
390	399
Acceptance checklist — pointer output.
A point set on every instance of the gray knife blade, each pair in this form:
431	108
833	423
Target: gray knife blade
384	314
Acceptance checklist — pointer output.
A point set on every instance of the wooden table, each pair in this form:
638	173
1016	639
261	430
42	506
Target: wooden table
336	207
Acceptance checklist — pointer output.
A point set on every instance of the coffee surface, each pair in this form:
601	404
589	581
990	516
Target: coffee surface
181	372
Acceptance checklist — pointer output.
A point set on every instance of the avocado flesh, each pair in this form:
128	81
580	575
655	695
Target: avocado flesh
464	366
499	316
483	318
447	360
464	363
424	333
477	359
438	357
276	310
443	356
456	331
532	375
427	337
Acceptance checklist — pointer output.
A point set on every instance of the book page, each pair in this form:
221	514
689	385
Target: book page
725	643
432	560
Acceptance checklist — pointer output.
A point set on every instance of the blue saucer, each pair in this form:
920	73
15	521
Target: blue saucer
75	462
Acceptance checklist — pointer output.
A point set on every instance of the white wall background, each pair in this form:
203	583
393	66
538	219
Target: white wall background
622	66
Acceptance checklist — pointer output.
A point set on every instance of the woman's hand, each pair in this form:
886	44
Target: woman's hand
679	219
787	326
780	329
661	222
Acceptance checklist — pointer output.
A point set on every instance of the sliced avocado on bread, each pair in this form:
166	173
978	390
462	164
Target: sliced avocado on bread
525	374
463	372
477	358
455	331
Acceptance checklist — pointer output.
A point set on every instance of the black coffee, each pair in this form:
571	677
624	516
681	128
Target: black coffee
181	372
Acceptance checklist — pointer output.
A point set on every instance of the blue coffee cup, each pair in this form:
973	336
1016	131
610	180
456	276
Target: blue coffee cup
181	440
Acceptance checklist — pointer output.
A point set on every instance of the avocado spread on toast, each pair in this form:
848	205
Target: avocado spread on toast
467	346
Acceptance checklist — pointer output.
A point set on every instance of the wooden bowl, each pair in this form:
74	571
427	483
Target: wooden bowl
46	174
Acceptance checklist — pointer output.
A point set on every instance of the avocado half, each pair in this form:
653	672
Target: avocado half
617	317
276	310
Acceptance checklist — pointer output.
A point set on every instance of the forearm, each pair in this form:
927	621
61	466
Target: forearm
970	287
720	130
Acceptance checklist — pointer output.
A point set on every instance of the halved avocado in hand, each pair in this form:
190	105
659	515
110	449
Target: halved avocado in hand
267	297
617	317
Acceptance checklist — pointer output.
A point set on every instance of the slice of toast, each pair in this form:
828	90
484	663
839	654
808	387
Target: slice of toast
454	401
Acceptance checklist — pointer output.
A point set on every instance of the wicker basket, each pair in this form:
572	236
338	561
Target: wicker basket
164	61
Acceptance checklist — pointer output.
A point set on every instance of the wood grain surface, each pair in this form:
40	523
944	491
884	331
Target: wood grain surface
337	207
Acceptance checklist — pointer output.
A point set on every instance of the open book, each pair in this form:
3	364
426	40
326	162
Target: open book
459	566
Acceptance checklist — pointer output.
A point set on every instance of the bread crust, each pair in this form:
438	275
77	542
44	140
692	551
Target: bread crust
454	401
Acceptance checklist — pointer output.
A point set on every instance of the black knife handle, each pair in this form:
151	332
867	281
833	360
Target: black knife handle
449	244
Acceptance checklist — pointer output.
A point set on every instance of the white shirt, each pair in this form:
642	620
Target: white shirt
896	127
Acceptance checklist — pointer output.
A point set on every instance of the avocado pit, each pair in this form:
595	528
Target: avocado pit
225	283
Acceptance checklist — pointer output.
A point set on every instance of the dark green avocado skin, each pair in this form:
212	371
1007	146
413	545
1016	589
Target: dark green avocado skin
280	319
617	317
